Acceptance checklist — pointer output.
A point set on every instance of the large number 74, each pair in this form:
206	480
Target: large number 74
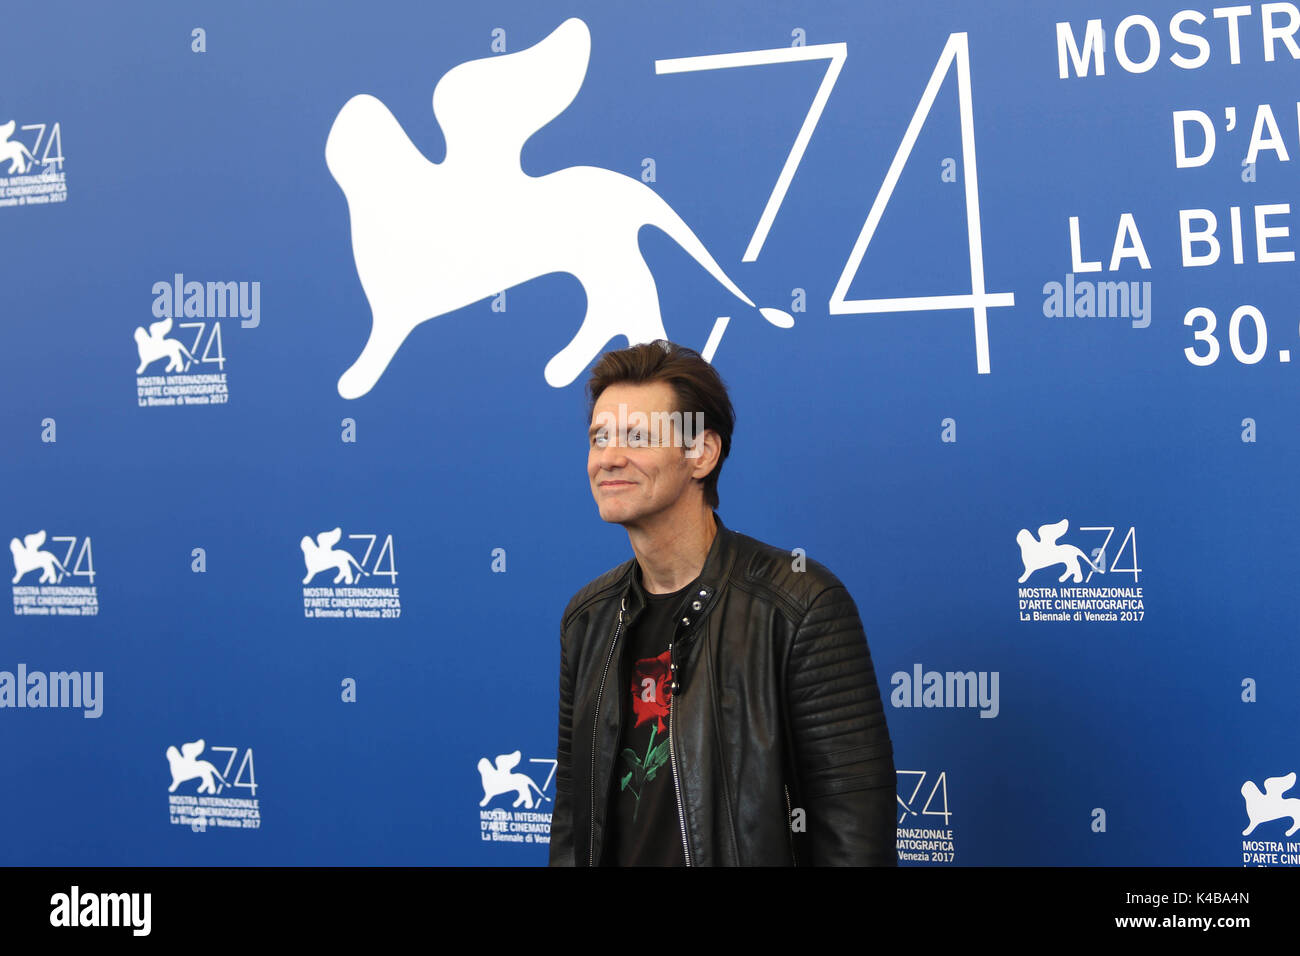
956	52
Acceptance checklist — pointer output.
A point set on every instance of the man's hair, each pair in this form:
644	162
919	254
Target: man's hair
696	385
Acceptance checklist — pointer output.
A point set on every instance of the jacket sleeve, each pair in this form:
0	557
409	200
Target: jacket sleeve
561	848
842	752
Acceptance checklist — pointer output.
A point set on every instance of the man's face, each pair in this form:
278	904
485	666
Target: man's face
635	473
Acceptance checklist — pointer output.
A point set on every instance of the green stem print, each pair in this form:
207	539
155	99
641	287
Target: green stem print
643	771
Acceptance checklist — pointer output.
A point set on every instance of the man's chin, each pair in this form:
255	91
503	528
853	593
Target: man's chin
613	515
617	513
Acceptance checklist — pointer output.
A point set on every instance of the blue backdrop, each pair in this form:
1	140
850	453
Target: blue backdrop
158	541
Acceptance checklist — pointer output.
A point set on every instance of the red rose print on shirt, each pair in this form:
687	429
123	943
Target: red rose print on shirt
651	690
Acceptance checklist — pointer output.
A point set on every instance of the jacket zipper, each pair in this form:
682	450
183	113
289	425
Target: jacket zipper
789	823
595	727
672	756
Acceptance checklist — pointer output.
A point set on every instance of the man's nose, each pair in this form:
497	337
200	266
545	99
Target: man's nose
612	456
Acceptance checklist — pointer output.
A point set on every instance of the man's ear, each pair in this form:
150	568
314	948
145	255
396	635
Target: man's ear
704	449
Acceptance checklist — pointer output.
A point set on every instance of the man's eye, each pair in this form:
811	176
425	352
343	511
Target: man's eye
598	440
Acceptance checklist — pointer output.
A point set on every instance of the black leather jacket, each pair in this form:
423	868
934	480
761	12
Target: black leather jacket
775	710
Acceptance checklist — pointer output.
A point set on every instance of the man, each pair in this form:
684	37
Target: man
718	704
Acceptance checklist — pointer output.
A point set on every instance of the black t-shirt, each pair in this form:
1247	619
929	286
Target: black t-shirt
643	828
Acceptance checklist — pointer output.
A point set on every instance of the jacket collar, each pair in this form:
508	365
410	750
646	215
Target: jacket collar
703	593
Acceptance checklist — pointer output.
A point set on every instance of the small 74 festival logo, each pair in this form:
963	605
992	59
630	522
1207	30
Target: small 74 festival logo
529	818
34	152
65	585
201	804
1074	596
195	369
355	590
924	820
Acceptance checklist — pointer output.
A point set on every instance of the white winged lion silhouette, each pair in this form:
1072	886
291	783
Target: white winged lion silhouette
185	765
1271	805
1043	552
429	238
498	779
321	555
154	344
28	556
13	151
